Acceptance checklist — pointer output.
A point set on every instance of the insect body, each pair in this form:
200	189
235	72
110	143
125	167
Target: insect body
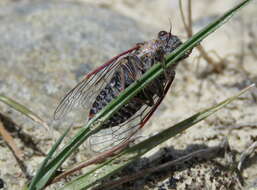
104	84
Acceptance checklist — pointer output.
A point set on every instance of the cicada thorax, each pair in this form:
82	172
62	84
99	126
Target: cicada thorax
131	69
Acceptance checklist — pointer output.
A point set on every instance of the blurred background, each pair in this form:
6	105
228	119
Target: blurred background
48	46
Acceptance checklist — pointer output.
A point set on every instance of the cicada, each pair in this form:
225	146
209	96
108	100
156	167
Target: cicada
101	86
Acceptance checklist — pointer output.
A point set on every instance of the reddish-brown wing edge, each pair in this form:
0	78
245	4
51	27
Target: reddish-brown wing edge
111	61
65	106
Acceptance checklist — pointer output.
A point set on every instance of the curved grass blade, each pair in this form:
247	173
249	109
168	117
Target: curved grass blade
94	124
23	110
42	170
129	155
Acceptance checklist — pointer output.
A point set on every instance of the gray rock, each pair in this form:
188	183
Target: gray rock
47	46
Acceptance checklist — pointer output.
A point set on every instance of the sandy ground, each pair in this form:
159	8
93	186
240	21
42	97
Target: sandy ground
40	86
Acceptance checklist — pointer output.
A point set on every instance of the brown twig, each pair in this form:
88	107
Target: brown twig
26	139
205	154
190	26
183	18
10	142
17	153
98	159
237	126
217	66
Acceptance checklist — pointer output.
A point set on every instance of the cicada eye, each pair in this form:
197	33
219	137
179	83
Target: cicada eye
162	33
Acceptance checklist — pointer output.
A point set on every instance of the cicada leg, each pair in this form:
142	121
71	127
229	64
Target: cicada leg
122	75
160	57
164	66
137	65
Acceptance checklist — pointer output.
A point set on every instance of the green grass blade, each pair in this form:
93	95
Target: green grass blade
23	110
129	155
42	170
94	124
50	168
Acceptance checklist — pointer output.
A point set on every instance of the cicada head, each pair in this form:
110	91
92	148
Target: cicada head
168	41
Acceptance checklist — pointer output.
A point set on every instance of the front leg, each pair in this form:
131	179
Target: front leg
159	56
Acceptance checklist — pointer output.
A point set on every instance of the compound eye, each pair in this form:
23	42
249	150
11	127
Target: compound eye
162	33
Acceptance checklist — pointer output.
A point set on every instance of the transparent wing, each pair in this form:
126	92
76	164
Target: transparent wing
107	139
84	93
